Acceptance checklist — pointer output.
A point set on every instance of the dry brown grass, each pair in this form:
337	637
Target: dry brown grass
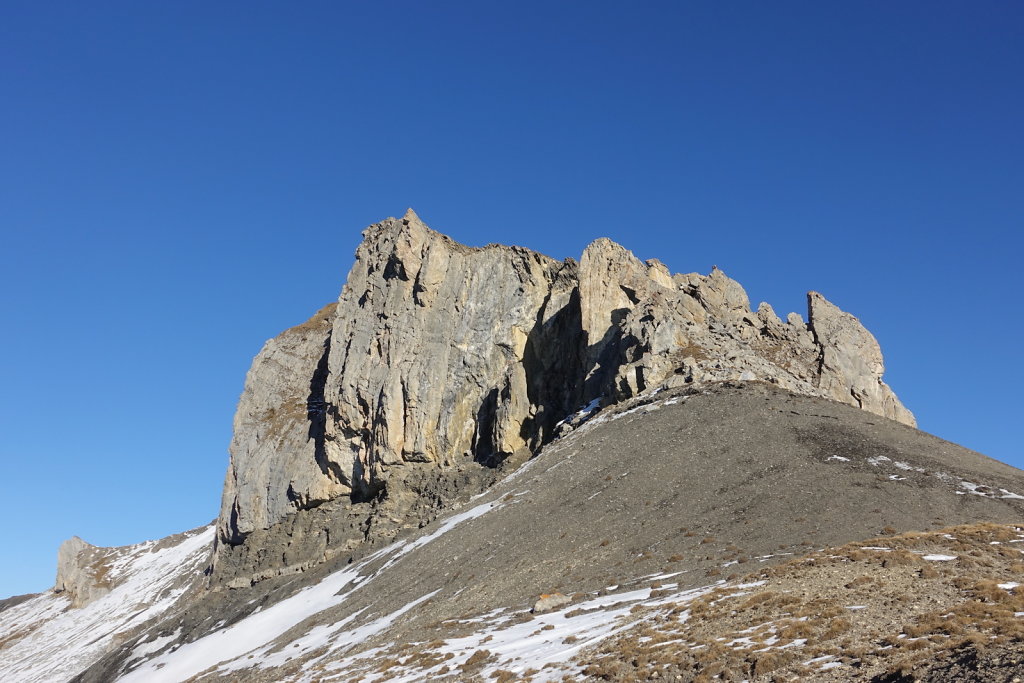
476	660
910	611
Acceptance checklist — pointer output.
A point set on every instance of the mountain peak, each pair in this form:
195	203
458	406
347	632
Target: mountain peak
469	432
411	217
440	355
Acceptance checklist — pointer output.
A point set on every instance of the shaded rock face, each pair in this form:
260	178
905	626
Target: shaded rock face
441	362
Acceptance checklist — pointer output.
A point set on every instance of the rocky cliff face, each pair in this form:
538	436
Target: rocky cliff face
79	572
440	350
440	361
278	432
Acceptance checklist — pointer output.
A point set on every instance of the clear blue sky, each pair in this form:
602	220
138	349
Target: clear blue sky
180	181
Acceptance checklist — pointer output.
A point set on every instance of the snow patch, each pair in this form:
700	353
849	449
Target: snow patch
252	640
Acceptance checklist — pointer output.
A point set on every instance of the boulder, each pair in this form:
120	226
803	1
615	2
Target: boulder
549	601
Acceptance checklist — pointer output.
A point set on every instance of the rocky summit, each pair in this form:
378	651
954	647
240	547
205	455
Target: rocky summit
488	464
439	358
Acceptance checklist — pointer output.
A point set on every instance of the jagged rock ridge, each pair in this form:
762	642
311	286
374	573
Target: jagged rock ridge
439	358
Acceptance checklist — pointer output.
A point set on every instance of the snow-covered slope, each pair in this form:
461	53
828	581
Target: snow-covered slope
306	637
44	639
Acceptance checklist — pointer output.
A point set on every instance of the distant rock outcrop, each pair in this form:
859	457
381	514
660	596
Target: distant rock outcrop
437	354
86	573
104	599
79	575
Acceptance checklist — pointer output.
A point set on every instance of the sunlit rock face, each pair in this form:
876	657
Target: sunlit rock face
440	360
440	350
277	464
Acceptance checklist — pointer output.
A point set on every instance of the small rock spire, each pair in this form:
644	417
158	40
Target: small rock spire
411	217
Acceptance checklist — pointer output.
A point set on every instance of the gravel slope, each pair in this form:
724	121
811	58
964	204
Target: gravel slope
699	486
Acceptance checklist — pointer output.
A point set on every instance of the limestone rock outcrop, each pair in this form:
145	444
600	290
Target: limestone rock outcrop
437	351
851	361
79	575
656	330
438	355
441	350
277	461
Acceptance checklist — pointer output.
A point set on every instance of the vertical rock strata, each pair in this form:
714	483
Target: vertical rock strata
277	460
438	355
79	574
444	350
851	360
